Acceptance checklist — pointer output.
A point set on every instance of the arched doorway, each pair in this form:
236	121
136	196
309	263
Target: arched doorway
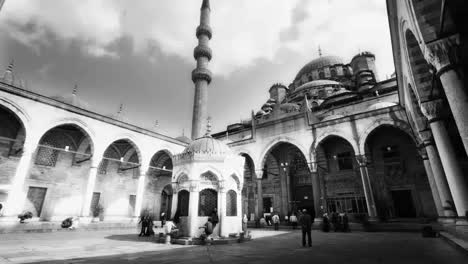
12	136
158	190
116	184
166	201
339	177
398	176
58	177
286	180
249	190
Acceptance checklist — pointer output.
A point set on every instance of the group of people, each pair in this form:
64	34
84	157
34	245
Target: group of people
339	221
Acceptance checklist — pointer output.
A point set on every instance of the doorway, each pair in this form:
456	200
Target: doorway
267	204
403	203
36	197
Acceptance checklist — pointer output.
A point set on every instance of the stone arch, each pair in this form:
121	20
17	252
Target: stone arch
273	143
405	127
421	76
210	169
161	163
209	175
326	135
236	180
18	112
178	176
130	140
13	131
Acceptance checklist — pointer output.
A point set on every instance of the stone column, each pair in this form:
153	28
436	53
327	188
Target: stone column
16	195
223	232
440	180
432	184
140	192
455	178
443	55
259	198
366	184
175	200
193	209
316	191
88	194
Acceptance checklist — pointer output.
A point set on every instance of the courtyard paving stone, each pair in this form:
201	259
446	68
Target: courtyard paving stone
268	246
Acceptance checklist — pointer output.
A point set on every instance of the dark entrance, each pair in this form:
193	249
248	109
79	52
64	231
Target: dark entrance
267	204
403	203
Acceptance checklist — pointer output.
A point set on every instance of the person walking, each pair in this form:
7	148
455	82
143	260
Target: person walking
276	221
293	220
306	225
144	223
214	219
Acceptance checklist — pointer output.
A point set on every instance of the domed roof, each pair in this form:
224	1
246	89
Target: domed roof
317	83
318	64
207	145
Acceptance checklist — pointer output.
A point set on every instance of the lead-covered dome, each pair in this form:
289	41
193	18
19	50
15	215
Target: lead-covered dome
207	145
318	64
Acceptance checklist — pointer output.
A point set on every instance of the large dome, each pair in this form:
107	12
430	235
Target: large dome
207	145
318	64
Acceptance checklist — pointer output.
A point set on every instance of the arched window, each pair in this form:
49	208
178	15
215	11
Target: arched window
208	202
231	203
183	203
321	75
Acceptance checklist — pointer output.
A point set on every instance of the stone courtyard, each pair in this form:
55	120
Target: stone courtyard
267	247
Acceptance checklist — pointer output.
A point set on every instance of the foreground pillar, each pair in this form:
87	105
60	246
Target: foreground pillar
140	192
193	224
16	195
455	178
223	230
443	55
91	182
371	209
259	198
439	177
316	192
432	184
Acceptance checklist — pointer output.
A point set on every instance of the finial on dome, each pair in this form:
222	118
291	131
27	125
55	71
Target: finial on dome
120	108
320	51
208	127
75	89
8	75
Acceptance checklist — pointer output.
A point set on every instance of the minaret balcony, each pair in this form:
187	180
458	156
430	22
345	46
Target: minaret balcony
204	30
202	51
201	74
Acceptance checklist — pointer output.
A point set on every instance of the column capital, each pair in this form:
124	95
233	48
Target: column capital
442	53
194	187
423	153
362	160
433	110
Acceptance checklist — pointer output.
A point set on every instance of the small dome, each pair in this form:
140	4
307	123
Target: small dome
207	145
381	105
184	139
318	64
71	100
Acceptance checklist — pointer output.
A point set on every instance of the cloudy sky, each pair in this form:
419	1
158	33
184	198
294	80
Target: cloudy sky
140	53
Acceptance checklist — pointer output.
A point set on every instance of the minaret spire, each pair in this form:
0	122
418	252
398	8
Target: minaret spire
201	76
8	75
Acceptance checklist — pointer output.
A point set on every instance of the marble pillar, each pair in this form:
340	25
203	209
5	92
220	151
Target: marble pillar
432	184
438	173
192	219
366	184
316	192
259	198
17	195
88	194
223	230
140	192
456	181
443	55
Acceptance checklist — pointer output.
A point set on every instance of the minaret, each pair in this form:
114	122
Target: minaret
201	76
8	75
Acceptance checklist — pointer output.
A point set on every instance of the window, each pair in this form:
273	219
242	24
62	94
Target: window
207	202
183	203
345	161
231	203
46	156
321	75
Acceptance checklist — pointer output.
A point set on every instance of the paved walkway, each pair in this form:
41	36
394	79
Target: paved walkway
285	247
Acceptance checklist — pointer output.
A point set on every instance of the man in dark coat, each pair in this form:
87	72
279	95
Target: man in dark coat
306	224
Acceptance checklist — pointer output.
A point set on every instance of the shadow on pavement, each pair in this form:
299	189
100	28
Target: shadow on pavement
132	237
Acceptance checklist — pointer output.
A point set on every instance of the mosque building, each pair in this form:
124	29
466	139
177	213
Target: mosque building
339	138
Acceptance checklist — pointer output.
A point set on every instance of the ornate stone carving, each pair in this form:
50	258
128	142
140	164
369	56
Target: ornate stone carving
443	52
362	160
433	110
193	186
201	74
204	30
202	51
